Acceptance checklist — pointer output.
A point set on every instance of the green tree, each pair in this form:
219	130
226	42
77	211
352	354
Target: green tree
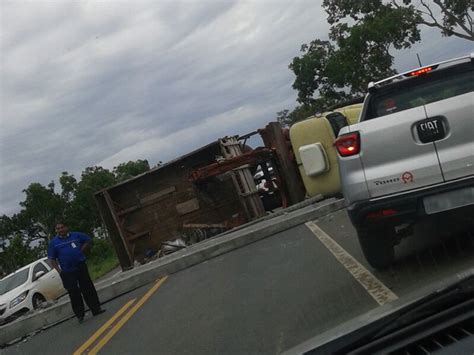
17	225
315	73
42	207
82	213
451	17
361	38
17	254
130	169
68	186
7	227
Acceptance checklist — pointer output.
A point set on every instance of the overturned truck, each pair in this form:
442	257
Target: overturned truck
211	188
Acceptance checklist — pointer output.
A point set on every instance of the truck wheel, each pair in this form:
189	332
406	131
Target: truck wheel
378	246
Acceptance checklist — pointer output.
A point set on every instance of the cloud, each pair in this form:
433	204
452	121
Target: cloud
98	83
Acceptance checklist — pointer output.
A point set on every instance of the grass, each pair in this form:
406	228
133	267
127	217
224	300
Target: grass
100	267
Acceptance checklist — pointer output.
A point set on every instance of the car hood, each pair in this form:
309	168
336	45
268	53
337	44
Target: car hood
347	332
10	295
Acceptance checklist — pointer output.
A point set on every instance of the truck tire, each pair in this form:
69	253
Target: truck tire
378	246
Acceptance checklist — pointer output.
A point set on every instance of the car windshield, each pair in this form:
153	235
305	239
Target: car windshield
13	281
420	91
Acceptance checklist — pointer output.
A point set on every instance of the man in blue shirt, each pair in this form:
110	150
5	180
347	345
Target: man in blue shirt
68	249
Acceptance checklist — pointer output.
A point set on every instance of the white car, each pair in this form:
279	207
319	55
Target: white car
27	288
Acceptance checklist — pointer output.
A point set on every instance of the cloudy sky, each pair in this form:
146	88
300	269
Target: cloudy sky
86	83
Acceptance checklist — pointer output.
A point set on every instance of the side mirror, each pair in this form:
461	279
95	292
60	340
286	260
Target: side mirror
39	274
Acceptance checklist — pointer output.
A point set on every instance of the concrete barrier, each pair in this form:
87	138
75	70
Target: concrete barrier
167	265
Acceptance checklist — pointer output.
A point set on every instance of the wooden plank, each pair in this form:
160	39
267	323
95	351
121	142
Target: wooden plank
129	210
245	184
245	194
138	235
187	207
203	225
155	196
107	218
110	204
148	200
273	138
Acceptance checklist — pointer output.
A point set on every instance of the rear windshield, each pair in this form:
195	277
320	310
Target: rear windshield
421	91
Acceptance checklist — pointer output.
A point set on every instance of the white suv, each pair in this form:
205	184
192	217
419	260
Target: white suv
27	288
410	155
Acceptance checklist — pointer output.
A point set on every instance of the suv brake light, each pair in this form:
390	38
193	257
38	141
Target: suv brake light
348	144
382	213
421	71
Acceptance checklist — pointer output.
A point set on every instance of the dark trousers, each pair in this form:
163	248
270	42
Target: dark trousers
78	284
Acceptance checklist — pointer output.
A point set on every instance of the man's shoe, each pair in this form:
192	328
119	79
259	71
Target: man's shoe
100	311
80	319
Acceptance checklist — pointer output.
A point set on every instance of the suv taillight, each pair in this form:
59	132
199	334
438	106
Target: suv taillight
348	144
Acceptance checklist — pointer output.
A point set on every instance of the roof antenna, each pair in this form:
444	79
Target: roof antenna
419	60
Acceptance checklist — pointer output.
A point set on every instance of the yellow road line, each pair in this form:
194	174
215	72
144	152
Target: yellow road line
102	329
379	292
100	344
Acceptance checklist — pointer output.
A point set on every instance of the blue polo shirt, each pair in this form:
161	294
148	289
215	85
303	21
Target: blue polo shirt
67	250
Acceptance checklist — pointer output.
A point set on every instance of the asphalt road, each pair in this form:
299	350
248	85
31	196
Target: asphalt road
261	299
